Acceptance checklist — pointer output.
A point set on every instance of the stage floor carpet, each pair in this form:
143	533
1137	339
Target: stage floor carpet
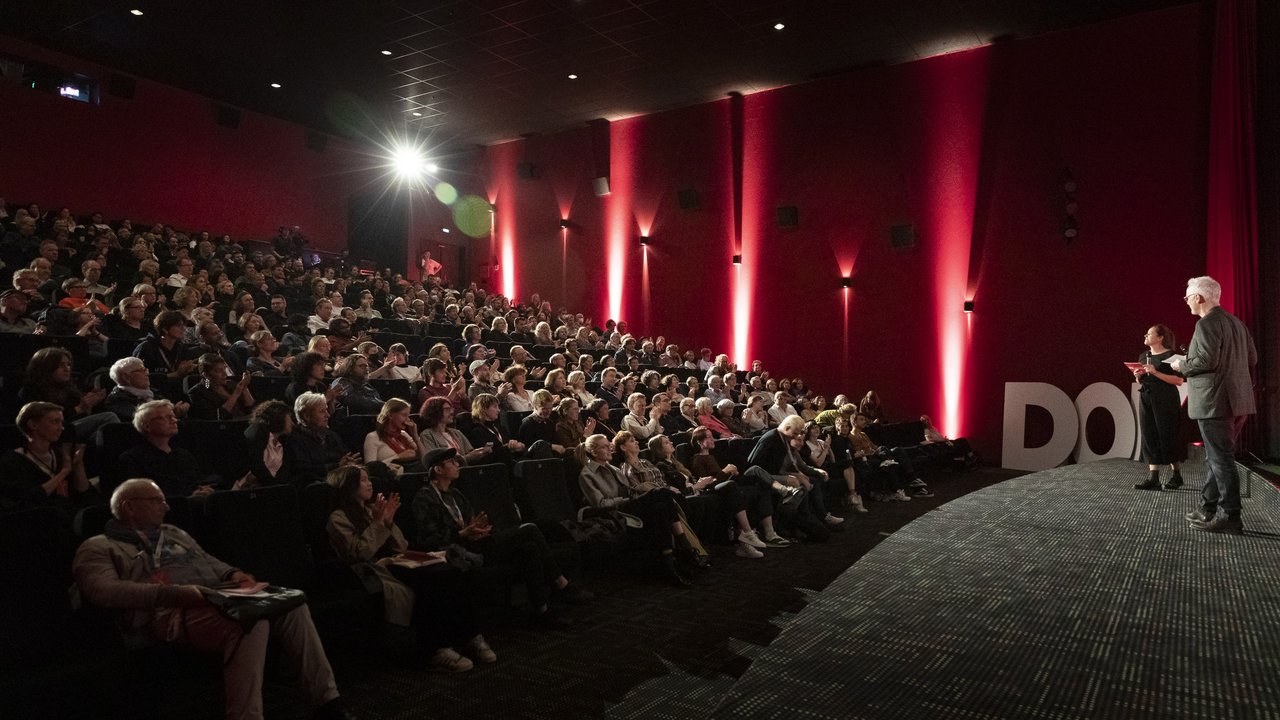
1057	595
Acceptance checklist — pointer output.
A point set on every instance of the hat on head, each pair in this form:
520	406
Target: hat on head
435	456
476	365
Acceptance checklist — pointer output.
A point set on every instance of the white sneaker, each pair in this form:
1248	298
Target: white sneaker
832	519
480	651
746	551
856	502
449	660
900	496
749	537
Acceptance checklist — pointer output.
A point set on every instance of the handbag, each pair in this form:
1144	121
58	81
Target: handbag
248	610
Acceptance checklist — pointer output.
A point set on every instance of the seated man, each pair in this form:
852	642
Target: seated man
775	459
121	568
890	467
13	313
353	393
133	388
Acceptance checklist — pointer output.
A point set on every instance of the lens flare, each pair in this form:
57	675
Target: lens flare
471	214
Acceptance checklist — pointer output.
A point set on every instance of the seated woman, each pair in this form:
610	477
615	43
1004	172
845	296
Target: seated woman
250	323
45	471
269	425
439	385
320	345
870	406
556	384
517	399
394	440
708	419
242	305
486	431
262	359
605	486
498	330
939	446
133	387
703	464
48	379
444	516
598	410
754	418
724	411
724	496
636	422
128	321
578	388
398	361
308	376
641	474
570	429
540	426
174	469
314	448
432	599
437	417
215	397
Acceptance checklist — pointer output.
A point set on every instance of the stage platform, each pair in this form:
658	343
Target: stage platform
1062	594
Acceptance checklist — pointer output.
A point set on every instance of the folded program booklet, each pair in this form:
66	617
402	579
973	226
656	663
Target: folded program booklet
417	558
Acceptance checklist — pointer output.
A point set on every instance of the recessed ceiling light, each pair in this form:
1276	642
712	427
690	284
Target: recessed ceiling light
386	52
417	114
136	12
572	76
275	85
778	26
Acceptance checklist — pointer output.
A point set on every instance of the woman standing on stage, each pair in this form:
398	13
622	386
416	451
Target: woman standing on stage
1160	408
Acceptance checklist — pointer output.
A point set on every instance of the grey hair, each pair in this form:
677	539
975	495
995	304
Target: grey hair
143	414
306	401
121	493
122	366
791	425
1206	287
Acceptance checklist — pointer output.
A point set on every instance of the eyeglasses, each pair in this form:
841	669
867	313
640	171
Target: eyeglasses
148	499
1187	298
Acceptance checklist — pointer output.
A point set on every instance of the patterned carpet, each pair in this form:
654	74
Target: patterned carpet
1059	595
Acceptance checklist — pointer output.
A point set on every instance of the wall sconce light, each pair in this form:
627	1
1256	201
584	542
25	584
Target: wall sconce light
564	224
846	282
644	241
968	306
737	259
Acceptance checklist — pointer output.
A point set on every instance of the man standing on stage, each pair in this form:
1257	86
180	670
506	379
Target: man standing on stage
1220	398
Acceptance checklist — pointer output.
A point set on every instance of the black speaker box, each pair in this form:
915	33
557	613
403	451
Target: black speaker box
902	237
688	199
788	216
527	171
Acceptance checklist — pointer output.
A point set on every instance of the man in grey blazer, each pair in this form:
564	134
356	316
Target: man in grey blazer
1220	398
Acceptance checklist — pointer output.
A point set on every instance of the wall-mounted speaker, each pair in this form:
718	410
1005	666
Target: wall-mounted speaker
121	86
316	141
528	171
902	237
788	216
688	199
601	186
227	116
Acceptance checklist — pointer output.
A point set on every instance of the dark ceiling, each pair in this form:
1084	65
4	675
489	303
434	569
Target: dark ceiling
481	71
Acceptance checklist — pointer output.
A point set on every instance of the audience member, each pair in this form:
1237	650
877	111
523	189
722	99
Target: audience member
174	469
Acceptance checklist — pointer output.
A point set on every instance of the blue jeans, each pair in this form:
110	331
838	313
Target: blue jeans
1222	487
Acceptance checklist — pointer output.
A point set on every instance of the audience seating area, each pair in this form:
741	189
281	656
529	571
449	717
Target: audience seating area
277	532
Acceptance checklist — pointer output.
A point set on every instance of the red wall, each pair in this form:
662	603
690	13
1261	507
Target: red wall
161	157
970	149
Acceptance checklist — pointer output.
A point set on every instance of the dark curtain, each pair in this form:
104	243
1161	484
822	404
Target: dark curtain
1233	192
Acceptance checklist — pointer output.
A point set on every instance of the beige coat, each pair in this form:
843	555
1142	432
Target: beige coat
352	547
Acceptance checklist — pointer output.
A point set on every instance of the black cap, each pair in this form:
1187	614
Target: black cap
436	456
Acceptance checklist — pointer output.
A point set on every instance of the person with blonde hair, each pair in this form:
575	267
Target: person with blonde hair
394	439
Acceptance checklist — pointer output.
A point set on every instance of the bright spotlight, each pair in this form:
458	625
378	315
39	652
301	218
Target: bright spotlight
408	162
